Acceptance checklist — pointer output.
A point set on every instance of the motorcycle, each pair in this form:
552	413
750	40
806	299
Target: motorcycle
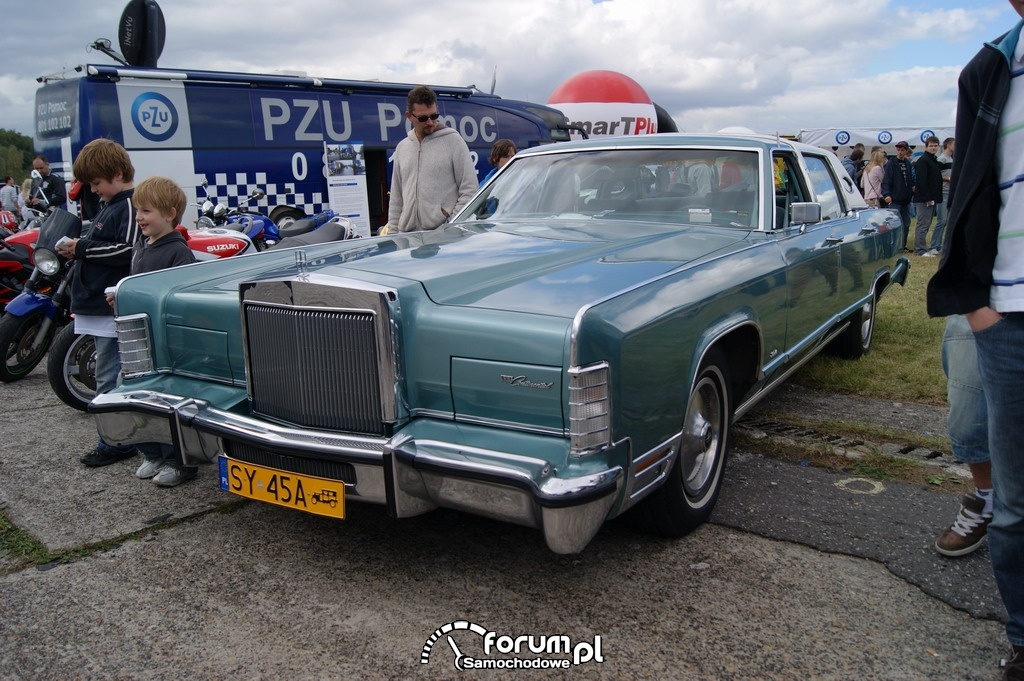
15	263
306	225
337	228
71	364
8	222
258	227
32	317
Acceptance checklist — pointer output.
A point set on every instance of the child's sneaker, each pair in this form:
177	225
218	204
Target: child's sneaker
148	469
172	476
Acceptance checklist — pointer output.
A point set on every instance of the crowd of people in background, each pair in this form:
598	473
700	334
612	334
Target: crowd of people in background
916	188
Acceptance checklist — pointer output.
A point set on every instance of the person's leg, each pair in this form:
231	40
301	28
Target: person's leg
940	226
108	364
904	211
108	367
924	222
967	424
1001	358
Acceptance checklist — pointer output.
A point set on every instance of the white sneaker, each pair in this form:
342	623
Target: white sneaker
148	469
172	476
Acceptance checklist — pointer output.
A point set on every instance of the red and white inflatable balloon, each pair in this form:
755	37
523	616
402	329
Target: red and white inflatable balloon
605	103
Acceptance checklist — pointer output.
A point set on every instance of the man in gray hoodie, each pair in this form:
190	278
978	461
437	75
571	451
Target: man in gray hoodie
433	174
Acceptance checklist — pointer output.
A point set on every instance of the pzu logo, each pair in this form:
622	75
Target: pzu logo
154	116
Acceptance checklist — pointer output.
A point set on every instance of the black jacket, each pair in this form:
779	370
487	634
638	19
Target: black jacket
962	281
169	250
929	179
896	183
103	255
53	189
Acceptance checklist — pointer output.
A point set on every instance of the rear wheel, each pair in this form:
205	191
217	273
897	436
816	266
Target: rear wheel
286	216
71	368
23	342
855	341
687	497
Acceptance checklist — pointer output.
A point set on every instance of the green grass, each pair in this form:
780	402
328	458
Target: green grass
904	362
20	547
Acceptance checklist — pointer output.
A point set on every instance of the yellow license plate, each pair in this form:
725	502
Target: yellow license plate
291	490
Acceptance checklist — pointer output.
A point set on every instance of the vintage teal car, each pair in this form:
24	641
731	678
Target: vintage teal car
575	344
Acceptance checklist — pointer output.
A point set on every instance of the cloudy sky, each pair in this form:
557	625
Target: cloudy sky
770	65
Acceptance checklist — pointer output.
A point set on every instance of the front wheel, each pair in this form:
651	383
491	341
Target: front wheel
23	342
71	368
688	495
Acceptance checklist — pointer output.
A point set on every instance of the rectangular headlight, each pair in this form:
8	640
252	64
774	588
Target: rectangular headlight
133	341
589	409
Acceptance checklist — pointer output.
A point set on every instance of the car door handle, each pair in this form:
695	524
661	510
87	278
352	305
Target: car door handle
833	240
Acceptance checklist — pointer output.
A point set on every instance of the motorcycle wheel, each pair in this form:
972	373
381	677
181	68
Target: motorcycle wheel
17	335
71	368
285	216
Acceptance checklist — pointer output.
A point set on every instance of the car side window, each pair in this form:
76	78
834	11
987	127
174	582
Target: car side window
826	188
788	187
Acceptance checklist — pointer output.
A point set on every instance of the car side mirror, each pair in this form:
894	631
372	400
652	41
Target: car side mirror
804	213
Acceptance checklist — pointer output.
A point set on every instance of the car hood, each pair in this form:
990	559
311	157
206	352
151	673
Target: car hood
552	268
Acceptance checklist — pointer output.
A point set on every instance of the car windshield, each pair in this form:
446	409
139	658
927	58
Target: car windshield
672	186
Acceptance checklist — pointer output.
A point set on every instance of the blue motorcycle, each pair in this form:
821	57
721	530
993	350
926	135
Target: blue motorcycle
258	227
306	225
33	317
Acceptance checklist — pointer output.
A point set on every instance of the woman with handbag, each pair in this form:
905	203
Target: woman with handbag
871	178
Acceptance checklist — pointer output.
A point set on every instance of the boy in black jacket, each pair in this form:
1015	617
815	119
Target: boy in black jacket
927	194
159	204
103	256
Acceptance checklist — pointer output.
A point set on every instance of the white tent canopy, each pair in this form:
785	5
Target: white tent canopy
841	140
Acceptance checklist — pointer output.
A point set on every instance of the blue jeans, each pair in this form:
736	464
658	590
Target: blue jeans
940	226
1001	357
108	366
968	416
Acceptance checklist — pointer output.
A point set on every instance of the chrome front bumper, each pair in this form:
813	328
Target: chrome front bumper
409	475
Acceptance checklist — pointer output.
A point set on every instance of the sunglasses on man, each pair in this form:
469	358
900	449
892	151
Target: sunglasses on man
429	117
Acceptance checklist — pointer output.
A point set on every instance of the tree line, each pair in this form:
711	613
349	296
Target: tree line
15	155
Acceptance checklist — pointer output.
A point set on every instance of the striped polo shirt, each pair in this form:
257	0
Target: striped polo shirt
1007	293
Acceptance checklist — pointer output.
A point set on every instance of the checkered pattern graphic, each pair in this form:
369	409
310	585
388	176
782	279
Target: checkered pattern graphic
230	188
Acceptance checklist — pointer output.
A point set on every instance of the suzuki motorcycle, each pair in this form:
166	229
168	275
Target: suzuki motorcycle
32	317
258	227
71	364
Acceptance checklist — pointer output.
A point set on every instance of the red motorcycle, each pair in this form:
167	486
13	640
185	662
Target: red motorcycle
16	262
71	364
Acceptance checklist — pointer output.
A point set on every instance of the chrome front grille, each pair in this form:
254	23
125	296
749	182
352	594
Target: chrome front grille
316	368
320	356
